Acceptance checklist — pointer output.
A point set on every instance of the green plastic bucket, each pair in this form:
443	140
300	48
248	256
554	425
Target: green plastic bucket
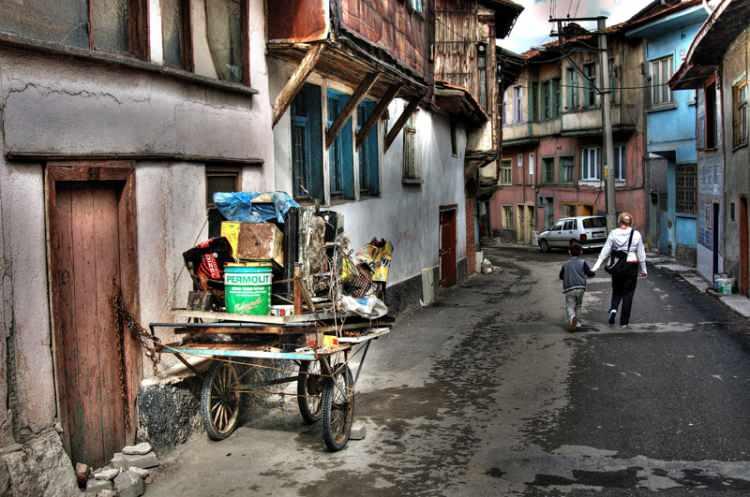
247	288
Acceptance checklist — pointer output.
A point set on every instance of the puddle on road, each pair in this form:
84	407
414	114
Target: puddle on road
576	467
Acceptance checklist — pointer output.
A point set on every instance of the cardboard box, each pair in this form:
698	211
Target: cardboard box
254	242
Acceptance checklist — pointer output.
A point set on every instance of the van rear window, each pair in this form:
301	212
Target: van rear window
595	222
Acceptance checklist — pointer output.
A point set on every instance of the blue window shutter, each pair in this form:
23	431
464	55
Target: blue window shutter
341	152
373	154
314	142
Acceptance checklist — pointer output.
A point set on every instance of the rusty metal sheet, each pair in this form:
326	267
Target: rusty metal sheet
297	21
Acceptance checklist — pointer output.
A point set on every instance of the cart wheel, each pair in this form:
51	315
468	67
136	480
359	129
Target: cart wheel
220	402
338	409
309	391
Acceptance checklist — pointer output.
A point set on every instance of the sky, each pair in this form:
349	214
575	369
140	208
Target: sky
533	28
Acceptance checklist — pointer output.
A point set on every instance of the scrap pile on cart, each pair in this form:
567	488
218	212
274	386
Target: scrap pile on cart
282	284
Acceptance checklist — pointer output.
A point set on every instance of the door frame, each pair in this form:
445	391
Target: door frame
122	172
743	280
451	278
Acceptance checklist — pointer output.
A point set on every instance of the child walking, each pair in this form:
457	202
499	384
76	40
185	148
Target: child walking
573	275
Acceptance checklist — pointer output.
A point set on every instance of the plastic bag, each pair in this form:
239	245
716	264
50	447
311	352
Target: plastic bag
369	307
254	207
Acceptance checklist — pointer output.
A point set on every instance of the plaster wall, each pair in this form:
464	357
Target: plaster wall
407	215
76	107
672	128
735	67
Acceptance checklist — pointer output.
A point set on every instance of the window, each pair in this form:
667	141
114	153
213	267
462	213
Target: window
534	102
532	163
739	114
219	179
568	210
612	81
116	26
519	160
589	93
567	166
506	172
226	32
590	164
307	144
416	6
508	217
411	163
482	69
548	170
517	110
660	72
340	153
620	162
176	34
547	100
454	139
369	151
572	88
506	121
710	116
686	189
595	222
551	98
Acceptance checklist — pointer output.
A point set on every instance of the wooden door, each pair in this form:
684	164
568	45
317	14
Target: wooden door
448	247
92	261
744	266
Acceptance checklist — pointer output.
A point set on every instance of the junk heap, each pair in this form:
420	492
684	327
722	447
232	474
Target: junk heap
276	258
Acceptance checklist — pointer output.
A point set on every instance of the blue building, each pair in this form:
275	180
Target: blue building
667	29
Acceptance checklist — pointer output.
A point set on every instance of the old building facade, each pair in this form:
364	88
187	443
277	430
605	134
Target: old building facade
667	28
716	67
553	136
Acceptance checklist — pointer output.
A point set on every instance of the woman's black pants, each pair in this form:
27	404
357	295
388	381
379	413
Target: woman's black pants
623	290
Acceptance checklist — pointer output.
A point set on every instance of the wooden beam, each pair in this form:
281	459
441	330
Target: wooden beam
382	106
360	93
296	81
405	115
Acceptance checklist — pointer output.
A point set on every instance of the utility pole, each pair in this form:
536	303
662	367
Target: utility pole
609	163
608	168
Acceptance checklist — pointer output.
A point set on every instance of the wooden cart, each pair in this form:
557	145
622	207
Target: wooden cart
325	383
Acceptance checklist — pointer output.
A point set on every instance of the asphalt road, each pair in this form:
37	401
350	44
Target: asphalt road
486	394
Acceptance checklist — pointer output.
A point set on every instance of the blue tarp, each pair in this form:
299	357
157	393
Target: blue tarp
254	207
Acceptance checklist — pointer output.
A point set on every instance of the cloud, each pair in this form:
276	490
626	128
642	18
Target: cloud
533	27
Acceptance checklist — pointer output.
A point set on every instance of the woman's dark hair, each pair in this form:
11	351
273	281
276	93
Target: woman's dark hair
575	249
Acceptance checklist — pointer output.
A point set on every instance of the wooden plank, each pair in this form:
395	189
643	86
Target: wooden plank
296	81
109	363
356	98
401	122
128	250
374	333
380	109
243	318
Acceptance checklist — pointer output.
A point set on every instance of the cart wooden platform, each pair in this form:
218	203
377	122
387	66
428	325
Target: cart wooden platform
322	346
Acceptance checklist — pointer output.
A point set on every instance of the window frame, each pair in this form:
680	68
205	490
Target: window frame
658	81
572	169
621	162
589	93
573	100
220	171
410	145
686	185
508	222
482	79
548	179
740	114
517	104
710	126
505	173
586	166
187	62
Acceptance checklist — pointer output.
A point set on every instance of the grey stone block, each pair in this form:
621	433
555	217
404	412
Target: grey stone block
107	493
93	487
140	449
123	462
107	473
359	432
129	484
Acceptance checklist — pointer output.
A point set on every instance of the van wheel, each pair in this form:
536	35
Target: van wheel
544	246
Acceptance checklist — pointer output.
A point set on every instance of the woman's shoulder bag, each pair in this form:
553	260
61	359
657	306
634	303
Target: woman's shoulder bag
618	259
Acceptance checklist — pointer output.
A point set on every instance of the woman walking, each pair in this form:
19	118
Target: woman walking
626	257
